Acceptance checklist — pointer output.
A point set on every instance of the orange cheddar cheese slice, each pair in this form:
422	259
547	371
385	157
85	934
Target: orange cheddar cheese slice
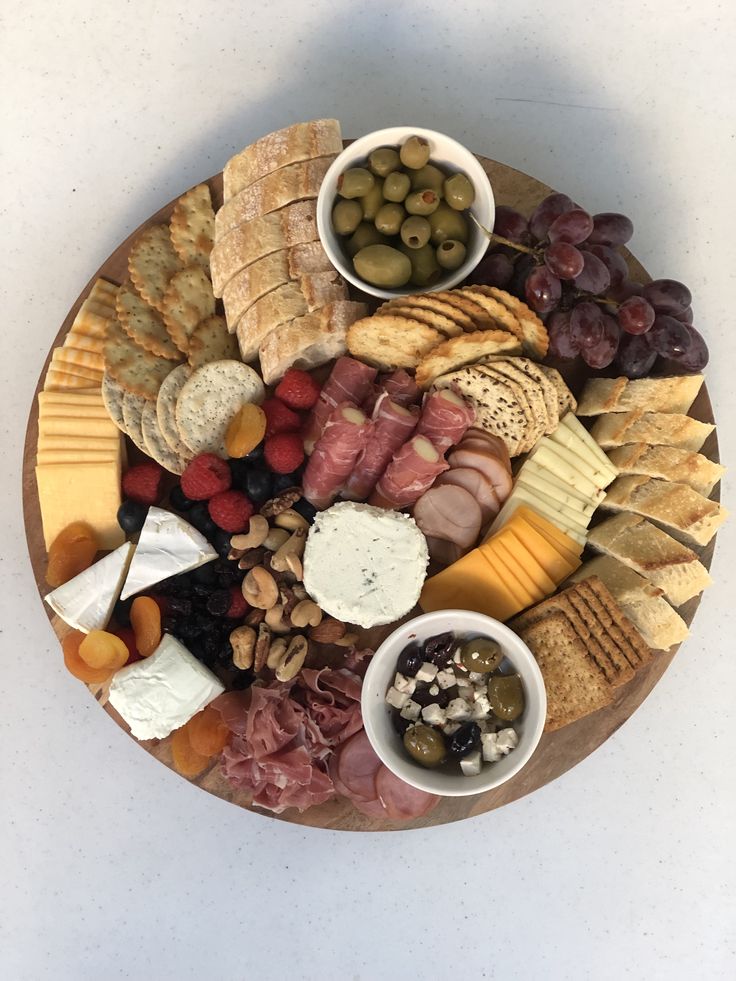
564	543
527	557
517	568
557	566
502	574
470	584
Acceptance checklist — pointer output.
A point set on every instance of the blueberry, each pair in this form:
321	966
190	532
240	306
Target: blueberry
239	470
121	612
131	516
200	518
180	606
204	575
258	485
410	660
283	481
256	453
305	509
219	602
179	500
221	541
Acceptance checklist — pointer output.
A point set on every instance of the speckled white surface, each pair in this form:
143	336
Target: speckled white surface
112	867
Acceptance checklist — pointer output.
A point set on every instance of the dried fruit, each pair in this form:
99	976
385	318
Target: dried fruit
208	734
71	552
187	761
205	476
74	663
145	619
238	605
100	649
246	430
143	483
128	638
298	389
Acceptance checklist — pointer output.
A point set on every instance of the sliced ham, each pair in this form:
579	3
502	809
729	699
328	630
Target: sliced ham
402	801
411	472
401	388
358	766
442	552
341	443
445	418
391	426
493	443
496	471
350	381
477	485
450	512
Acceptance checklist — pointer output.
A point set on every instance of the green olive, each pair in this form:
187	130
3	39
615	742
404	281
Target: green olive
396	186
365	234
429	176
372	201
422	202
415	232
481	654
415	152
506	695
448	223
383	160
459	192
346	216
380	265
390	218
451	254
424	268
425	745
355	183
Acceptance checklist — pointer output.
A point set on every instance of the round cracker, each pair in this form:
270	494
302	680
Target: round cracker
166	409
209	400
113	395
156	446
133	406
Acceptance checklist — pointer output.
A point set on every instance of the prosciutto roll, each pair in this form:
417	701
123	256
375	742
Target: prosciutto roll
445	418
392	426
350	381
411	472
341	443
401	388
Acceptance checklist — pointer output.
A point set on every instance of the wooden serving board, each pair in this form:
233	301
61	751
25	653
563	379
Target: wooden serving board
557	752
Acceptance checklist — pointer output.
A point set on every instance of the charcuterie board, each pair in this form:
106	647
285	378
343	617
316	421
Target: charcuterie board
558	751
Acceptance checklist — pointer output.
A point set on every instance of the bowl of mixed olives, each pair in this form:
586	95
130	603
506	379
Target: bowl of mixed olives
454	703
396	210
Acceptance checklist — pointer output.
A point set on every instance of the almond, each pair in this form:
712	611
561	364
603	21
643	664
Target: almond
328	631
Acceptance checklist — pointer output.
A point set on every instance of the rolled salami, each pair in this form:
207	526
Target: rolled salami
341	443
445	418
411	472
350	381
392	425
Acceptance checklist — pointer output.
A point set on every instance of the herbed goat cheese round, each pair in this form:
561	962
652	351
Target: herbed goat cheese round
363	564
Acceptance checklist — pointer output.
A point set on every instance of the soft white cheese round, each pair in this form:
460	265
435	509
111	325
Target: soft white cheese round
364	565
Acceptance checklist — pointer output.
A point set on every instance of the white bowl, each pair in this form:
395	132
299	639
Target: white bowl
445	152
387	742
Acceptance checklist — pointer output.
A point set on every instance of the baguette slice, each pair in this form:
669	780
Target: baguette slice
301	141
657	556
658	428
668	463
309	341
296	224
672	394
297	182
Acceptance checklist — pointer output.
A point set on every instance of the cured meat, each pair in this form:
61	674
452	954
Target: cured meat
411	472
449	512
341	443
445	418
358	766
402	801
477	485
494	444
401	388
445	553
493	468
392	426
332	699
350	381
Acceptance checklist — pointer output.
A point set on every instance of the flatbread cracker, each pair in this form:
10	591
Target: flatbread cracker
536	341
156	446
533	406
166	409
211	341
135	369
497	410
565	399
547	389
144	325
113	395
152	262
210	398
389	341
463	350
187	301
133	406
501	315
429	301
193	227
450	328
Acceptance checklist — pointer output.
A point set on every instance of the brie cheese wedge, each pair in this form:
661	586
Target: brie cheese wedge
86	601
168	545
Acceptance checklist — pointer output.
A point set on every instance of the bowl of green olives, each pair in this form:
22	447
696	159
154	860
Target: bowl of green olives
454	703
396	210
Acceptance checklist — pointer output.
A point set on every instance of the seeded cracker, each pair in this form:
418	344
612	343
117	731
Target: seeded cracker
209	400
113	395
144	325
152	262
156	446
133	406
212	342
166	409
135	369
187	301
497	410
193	227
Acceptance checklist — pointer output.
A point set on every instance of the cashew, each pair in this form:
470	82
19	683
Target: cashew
276	653
293	548
275	620
243	640
347	640
260	589
295	567
258	529
291	520
263	644
306	613
252	558
276	538
294	658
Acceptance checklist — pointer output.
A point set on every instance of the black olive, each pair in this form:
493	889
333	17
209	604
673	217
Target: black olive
464	741
410	660
423	696
439	649
399	723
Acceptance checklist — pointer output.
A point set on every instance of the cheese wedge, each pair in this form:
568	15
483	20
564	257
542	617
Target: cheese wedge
80	492
86	602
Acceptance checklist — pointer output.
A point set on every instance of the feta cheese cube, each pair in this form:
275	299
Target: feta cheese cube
450	728
434	689
458	710
481	707
433	714
462	681
411	710
491	753
456	657
396	698
471	764
506	740
445	679
427	672
477	678
484	725
405	684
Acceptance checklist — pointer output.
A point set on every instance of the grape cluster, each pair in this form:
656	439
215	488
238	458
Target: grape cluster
566	265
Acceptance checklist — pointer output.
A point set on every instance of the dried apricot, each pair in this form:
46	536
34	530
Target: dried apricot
71	552
246	430
187	761
208	734
145	619
74	663
101	649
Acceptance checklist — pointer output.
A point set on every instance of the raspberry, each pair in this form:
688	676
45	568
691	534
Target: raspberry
280	418
230	510
284	452
298	389
238	605
205	476
143	482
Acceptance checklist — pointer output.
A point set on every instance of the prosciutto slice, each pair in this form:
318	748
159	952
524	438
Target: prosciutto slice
445	418
401	388
411	472
341	443
391	427
350	381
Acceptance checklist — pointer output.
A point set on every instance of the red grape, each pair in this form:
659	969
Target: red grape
493	269
511	225
635	357
522	267
563	260
622	291
545	213
610	228
613	261
542	290
561	342
573	227
686	317
668	337
635	315
586	324
668	296
602	353
695	357
594	278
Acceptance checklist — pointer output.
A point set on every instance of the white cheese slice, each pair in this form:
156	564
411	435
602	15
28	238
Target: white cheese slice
168	545
544	455
520	495
575	426
363	564
593	472
571	506
541	472
87	600
565	437
162	692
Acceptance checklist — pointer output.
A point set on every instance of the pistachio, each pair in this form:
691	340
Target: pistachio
260	589
243	641
294	658
306	613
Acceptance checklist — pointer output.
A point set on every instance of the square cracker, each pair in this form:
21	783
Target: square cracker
193	227
152	262
188	300
636	649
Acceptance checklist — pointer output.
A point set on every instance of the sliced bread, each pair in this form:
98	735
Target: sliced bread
658	428
669	463
671	394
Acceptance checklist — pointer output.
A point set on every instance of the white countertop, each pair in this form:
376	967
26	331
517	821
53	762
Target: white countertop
112	867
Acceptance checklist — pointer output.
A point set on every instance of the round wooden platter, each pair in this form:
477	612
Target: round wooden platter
557	752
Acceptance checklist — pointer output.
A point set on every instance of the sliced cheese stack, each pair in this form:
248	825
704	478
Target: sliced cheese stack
513	569
563	479
79	363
